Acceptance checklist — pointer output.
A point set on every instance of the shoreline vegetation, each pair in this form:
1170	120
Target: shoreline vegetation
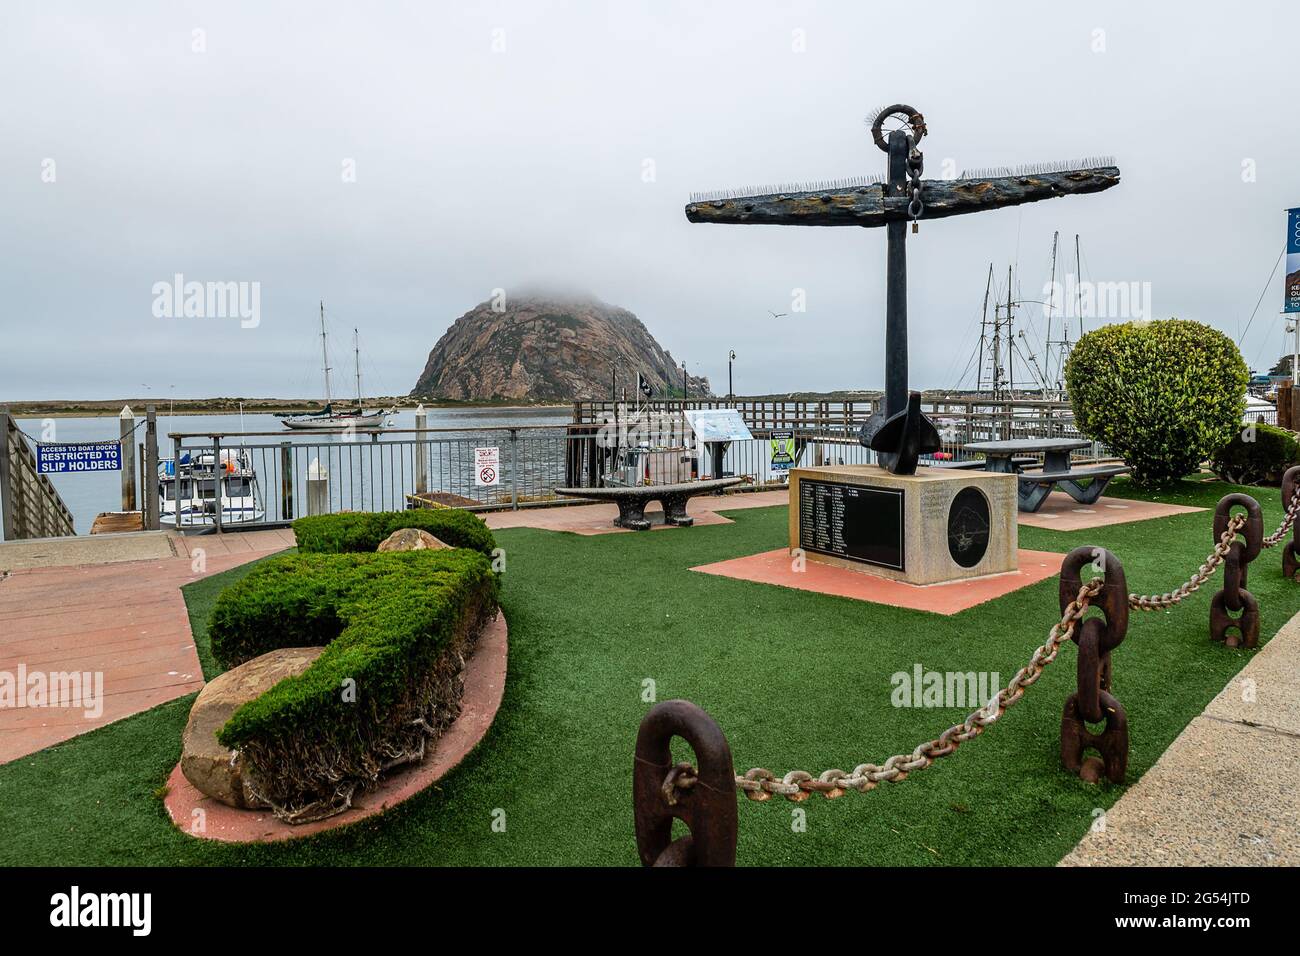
111	408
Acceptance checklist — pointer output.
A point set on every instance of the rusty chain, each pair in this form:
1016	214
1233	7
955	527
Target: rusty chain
1156	602
915	166
1288	520
760	783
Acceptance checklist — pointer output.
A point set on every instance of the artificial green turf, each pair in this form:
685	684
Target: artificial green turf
796	680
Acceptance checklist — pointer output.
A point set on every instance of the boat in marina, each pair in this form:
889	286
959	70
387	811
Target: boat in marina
193	491
329	418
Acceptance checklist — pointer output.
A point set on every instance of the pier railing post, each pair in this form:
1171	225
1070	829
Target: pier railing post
286	481
318	488
126	434
6	484
514	469
421	453
148	491
216	483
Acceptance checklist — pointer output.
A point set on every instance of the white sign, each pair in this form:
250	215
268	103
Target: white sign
487	466
718	424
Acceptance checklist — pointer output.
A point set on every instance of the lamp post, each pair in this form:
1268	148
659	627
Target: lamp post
683	384
731	357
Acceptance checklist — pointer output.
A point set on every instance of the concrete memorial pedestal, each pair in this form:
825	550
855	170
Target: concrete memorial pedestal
934	526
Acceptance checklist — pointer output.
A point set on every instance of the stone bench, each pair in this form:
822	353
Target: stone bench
632	499
1035	486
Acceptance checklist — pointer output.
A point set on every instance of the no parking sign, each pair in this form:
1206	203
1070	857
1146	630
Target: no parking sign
487	466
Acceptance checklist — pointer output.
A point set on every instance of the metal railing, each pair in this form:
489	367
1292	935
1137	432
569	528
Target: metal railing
30	507
394	469
960	419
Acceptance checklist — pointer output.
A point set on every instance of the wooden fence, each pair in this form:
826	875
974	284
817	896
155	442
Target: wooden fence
29	505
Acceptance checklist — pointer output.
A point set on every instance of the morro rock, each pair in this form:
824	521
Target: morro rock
546	347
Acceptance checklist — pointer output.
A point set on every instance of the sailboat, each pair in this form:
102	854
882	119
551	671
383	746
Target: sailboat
331	419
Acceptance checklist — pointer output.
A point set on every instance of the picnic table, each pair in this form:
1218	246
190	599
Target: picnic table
632	499
1084	485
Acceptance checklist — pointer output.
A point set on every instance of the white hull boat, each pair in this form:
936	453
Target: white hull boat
328	420
335	422
191	495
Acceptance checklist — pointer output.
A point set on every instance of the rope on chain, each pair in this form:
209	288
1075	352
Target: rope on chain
105	441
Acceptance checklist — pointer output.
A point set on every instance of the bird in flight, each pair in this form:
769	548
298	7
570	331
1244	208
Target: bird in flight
777	315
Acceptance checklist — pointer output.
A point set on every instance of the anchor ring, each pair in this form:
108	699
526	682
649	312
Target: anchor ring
915	121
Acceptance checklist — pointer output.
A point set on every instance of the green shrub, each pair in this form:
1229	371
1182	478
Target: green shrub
1162	395
1257	455
356	531
395	628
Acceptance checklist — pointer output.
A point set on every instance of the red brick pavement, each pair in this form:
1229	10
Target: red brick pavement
126	621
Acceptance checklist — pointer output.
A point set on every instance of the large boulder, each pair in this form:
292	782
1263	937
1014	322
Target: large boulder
212	768
410	539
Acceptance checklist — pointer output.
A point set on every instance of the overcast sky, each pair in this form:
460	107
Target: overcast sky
498	145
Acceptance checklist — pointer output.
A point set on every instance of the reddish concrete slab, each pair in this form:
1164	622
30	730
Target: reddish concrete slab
124	620
776	567
485	682
1060	512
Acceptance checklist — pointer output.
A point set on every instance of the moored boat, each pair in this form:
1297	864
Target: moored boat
194	491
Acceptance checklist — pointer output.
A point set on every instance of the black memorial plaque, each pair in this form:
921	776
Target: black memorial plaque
968	527
856	522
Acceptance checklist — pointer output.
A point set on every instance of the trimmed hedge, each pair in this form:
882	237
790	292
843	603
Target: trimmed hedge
1162	395
395	625
356	531
1257	455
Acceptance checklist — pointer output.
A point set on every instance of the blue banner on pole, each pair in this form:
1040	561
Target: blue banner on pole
1291	302
79	456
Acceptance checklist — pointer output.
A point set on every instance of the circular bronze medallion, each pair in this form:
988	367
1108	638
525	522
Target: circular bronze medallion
968	527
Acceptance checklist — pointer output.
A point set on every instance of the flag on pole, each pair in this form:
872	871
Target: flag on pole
1291	302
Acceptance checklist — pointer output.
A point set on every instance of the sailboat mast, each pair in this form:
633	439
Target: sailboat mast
1011	364
1051	295
984	326
1078	282
356	351
325	356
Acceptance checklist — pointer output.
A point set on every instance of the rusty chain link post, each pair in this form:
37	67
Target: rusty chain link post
1233	598
1290	549
704	798
1092	702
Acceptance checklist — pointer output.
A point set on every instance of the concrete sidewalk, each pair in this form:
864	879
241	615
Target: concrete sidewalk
1224	793
124	620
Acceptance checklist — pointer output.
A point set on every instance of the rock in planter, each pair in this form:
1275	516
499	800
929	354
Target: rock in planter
204	761
410	539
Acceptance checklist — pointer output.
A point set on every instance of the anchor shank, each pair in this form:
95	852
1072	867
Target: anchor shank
896	284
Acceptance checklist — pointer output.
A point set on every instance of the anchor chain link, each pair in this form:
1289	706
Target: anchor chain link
1233	598
1291	549
915	166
